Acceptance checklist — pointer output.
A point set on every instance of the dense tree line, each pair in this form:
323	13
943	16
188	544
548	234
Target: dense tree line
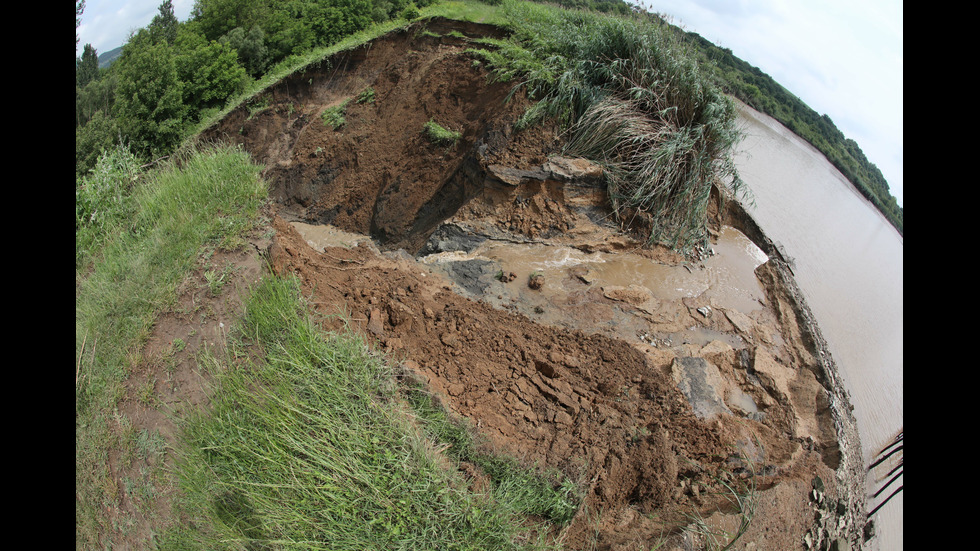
170	74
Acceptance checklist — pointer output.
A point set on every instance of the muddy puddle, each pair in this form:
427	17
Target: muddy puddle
621	294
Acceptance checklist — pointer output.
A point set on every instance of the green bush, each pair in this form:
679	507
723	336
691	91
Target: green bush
410	12
335	116
102	199
367	96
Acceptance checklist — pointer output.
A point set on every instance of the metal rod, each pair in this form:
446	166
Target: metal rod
901	462
875	510
886	456
882	489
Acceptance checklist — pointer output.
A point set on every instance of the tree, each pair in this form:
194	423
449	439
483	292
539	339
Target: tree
209	71
252	52
87	67
91	140
218	17
97	95
164	24
149	96
79	8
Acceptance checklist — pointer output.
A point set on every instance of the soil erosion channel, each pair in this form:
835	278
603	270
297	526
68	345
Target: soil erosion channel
490	270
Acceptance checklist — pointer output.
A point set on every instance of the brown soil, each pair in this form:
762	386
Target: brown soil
600	406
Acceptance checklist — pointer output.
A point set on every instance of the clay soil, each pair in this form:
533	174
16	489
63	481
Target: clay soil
604	408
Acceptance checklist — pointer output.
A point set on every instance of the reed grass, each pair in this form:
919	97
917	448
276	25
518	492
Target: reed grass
633	99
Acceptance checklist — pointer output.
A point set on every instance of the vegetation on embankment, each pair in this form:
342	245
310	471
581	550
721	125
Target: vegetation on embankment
311	445
634	100
138	235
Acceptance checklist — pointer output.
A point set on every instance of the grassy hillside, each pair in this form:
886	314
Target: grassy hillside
271	474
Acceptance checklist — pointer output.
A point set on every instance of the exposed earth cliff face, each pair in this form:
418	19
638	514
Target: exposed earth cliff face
657	405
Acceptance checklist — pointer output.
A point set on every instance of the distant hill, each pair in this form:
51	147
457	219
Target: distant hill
105	59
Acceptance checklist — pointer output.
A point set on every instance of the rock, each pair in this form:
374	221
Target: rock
701	382
635	295
774	376
716	350
514	177
450	339
578	169
743	323
450	238
400	315
705	311
375	322
535	281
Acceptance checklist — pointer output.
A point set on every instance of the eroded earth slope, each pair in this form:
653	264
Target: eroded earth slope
657	404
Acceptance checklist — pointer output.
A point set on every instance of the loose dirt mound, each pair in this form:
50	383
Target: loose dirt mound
609	411
379	174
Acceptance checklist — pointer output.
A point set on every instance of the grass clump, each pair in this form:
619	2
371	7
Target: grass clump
440	135
309	447
366	96
633	99
335	116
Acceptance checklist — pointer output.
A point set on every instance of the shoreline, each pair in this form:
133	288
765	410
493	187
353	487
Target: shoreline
851	474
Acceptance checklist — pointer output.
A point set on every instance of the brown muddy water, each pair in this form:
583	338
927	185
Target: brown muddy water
849	265
574	283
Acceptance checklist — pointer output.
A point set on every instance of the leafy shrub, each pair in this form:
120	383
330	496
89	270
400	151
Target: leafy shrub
102	198
335	116
367	96
410	12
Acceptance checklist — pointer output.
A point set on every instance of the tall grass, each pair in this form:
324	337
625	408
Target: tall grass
209	199
633	99
309	447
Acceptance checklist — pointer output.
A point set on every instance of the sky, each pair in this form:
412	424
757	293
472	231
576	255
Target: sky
106	24
843	58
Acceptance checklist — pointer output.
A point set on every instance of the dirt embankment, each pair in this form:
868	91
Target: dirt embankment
655	430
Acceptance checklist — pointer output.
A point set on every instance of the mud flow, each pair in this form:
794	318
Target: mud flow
493	270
